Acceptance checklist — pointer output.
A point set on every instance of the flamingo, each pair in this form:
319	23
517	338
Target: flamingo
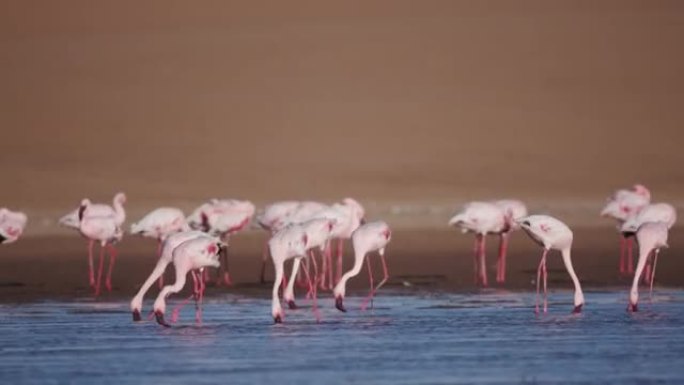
165	258
656	212
12	225
513	209
372	236
318	233
482	218
73	220
106	231
552	234
651	236
288	243
159	224
190	256
622	205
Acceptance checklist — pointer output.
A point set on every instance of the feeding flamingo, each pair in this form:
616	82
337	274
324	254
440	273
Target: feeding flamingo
621	206
12	225
165	258
190	256
482	218
552	234
106	231
373	236
651	236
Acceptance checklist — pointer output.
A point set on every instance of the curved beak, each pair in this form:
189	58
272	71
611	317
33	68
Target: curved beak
577	309
339	304
136	315
632	307
160	319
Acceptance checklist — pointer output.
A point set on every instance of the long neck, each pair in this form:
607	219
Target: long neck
159	269
644	251
160	303
119	212
579	296
289	290
341	287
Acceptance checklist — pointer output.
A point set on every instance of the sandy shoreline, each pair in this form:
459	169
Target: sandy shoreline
55	267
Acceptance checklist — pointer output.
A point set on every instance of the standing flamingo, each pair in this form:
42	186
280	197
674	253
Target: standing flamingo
622	205
106	231
513	210
318	232
657	212
288	243
367	238
12	225
190	256
159	224
481	218
550	233
165	258
651	236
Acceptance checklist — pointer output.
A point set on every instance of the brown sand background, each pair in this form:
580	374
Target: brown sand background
413	107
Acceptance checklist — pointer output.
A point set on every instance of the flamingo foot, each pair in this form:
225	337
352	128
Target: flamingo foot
160	319
136	315
339	304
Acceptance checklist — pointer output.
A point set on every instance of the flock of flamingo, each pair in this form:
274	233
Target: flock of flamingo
305	232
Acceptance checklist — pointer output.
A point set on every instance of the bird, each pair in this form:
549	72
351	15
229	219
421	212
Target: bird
482	218
651	236
372	236
656	212
106	231
513	209
73	220
12	225
288	243
620	206
552	234
318	233
190	256
159	224
165	258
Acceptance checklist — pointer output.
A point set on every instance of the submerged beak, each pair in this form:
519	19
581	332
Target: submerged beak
339	304
291	304
278	319
160	319
632	307
136	315
577	309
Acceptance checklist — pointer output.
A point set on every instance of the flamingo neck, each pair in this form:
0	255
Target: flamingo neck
340	289
644	252
119	212
159	269
160	303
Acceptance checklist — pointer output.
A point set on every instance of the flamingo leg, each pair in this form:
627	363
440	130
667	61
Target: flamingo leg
539	273
483	262
315	268
623	267
99	272
112	260
476	254
324	264
264	257
330	269
501	263
195	293
385	273
364	304
159	251
91	270
546	302
340	254
655	260
630	257
314	300
198	303
223	273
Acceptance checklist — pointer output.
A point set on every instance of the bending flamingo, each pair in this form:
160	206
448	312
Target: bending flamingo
651	236
106	231
190	256
373	236
12	225
165	258
552	234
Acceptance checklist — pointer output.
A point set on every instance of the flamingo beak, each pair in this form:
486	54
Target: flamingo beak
339	304
2	238
577	309
278	319
291	304
632	307
136	315
160	319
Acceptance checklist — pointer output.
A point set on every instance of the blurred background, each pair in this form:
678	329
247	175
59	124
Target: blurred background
412	103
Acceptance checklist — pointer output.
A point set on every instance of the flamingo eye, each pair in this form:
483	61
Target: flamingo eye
526	223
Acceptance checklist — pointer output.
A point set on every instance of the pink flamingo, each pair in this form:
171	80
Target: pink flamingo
373	236
190	256
12	225
552	234
651	236
622	205
288	243
657	212
165	258
482	218
273	218
116	211
159	224
106	231
513	209
318	233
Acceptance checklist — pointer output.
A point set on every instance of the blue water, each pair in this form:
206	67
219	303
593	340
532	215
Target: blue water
486	338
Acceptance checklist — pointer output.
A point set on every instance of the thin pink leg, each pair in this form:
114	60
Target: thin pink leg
655	260
314	300
476	253
330	269
91	270
195	293
370	292
264	257
539	273
112	260
312	261
340	253
546	306
99	272
501	263
483	262
623	267
159	251
324	265
198	304
630	259
385	273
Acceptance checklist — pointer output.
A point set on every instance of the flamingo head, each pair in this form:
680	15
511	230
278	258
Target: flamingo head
339	304
120	198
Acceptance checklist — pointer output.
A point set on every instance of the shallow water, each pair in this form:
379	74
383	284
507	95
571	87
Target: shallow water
485	338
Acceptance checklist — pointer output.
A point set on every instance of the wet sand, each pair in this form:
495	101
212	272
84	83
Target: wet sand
425	260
